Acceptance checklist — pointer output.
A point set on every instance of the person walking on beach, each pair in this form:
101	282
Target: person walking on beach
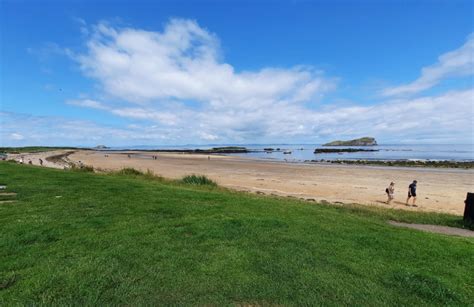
41	161
412	192
390	191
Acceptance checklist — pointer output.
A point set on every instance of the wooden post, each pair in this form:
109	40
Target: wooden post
469	208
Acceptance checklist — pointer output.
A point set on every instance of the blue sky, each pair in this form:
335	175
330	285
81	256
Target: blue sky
197	72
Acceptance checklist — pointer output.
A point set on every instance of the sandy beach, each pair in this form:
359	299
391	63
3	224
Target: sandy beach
439	190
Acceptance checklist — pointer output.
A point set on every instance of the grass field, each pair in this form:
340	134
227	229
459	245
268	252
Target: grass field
83	238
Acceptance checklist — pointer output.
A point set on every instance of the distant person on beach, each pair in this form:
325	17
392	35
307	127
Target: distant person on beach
412	192
41	161
390	191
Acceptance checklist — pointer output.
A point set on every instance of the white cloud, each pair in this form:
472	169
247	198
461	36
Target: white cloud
208	137
447	117
24	129
88	103
182	63
16	136
175	89
457	63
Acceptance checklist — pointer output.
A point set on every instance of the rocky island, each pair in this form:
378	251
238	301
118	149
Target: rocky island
365	141
340	150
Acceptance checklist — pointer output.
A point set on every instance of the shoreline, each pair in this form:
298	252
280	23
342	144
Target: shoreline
441	190
249	153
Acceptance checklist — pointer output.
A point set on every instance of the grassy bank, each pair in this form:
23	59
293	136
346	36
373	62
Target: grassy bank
126	238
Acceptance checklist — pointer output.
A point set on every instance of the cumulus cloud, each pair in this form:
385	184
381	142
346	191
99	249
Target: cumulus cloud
25	129
457	63
446	117
177	82
183	63
173	87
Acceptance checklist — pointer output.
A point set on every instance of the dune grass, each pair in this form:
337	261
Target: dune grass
198	180
81	238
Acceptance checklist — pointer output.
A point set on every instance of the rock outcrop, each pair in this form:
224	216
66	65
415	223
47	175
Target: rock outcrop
365	141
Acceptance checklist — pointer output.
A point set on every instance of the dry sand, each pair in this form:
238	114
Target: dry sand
34	158
439	190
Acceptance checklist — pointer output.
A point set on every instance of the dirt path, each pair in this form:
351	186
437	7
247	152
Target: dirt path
452	231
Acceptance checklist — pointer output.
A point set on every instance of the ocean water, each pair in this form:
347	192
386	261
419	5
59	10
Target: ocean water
304	152
385	152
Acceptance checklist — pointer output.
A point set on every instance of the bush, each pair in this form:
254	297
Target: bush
82	168
130	171
198	180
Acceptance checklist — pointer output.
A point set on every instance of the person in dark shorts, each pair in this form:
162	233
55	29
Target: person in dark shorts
412	192
390	192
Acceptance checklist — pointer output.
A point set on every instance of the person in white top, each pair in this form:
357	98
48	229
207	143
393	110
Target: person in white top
390	192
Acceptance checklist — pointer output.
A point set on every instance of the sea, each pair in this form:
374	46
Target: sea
305	152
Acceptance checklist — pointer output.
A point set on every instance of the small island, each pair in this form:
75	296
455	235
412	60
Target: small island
365	141
100	147
340	150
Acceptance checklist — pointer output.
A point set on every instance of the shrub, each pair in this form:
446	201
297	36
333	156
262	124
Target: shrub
82	168
198	180
130	171
150	175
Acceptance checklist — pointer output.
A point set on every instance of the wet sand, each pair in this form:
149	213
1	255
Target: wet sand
439	190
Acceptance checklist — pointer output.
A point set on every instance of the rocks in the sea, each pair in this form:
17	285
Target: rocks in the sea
215	150
365	141
403	163
340	150
227	149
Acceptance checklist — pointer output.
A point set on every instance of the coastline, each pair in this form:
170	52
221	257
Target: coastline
440	189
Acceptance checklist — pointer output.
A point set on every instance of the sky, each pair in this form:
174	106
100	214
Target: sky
128	73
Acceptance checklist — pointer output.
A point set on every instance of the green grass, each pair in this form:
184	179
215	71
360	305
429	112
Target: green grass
75	238
198	180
